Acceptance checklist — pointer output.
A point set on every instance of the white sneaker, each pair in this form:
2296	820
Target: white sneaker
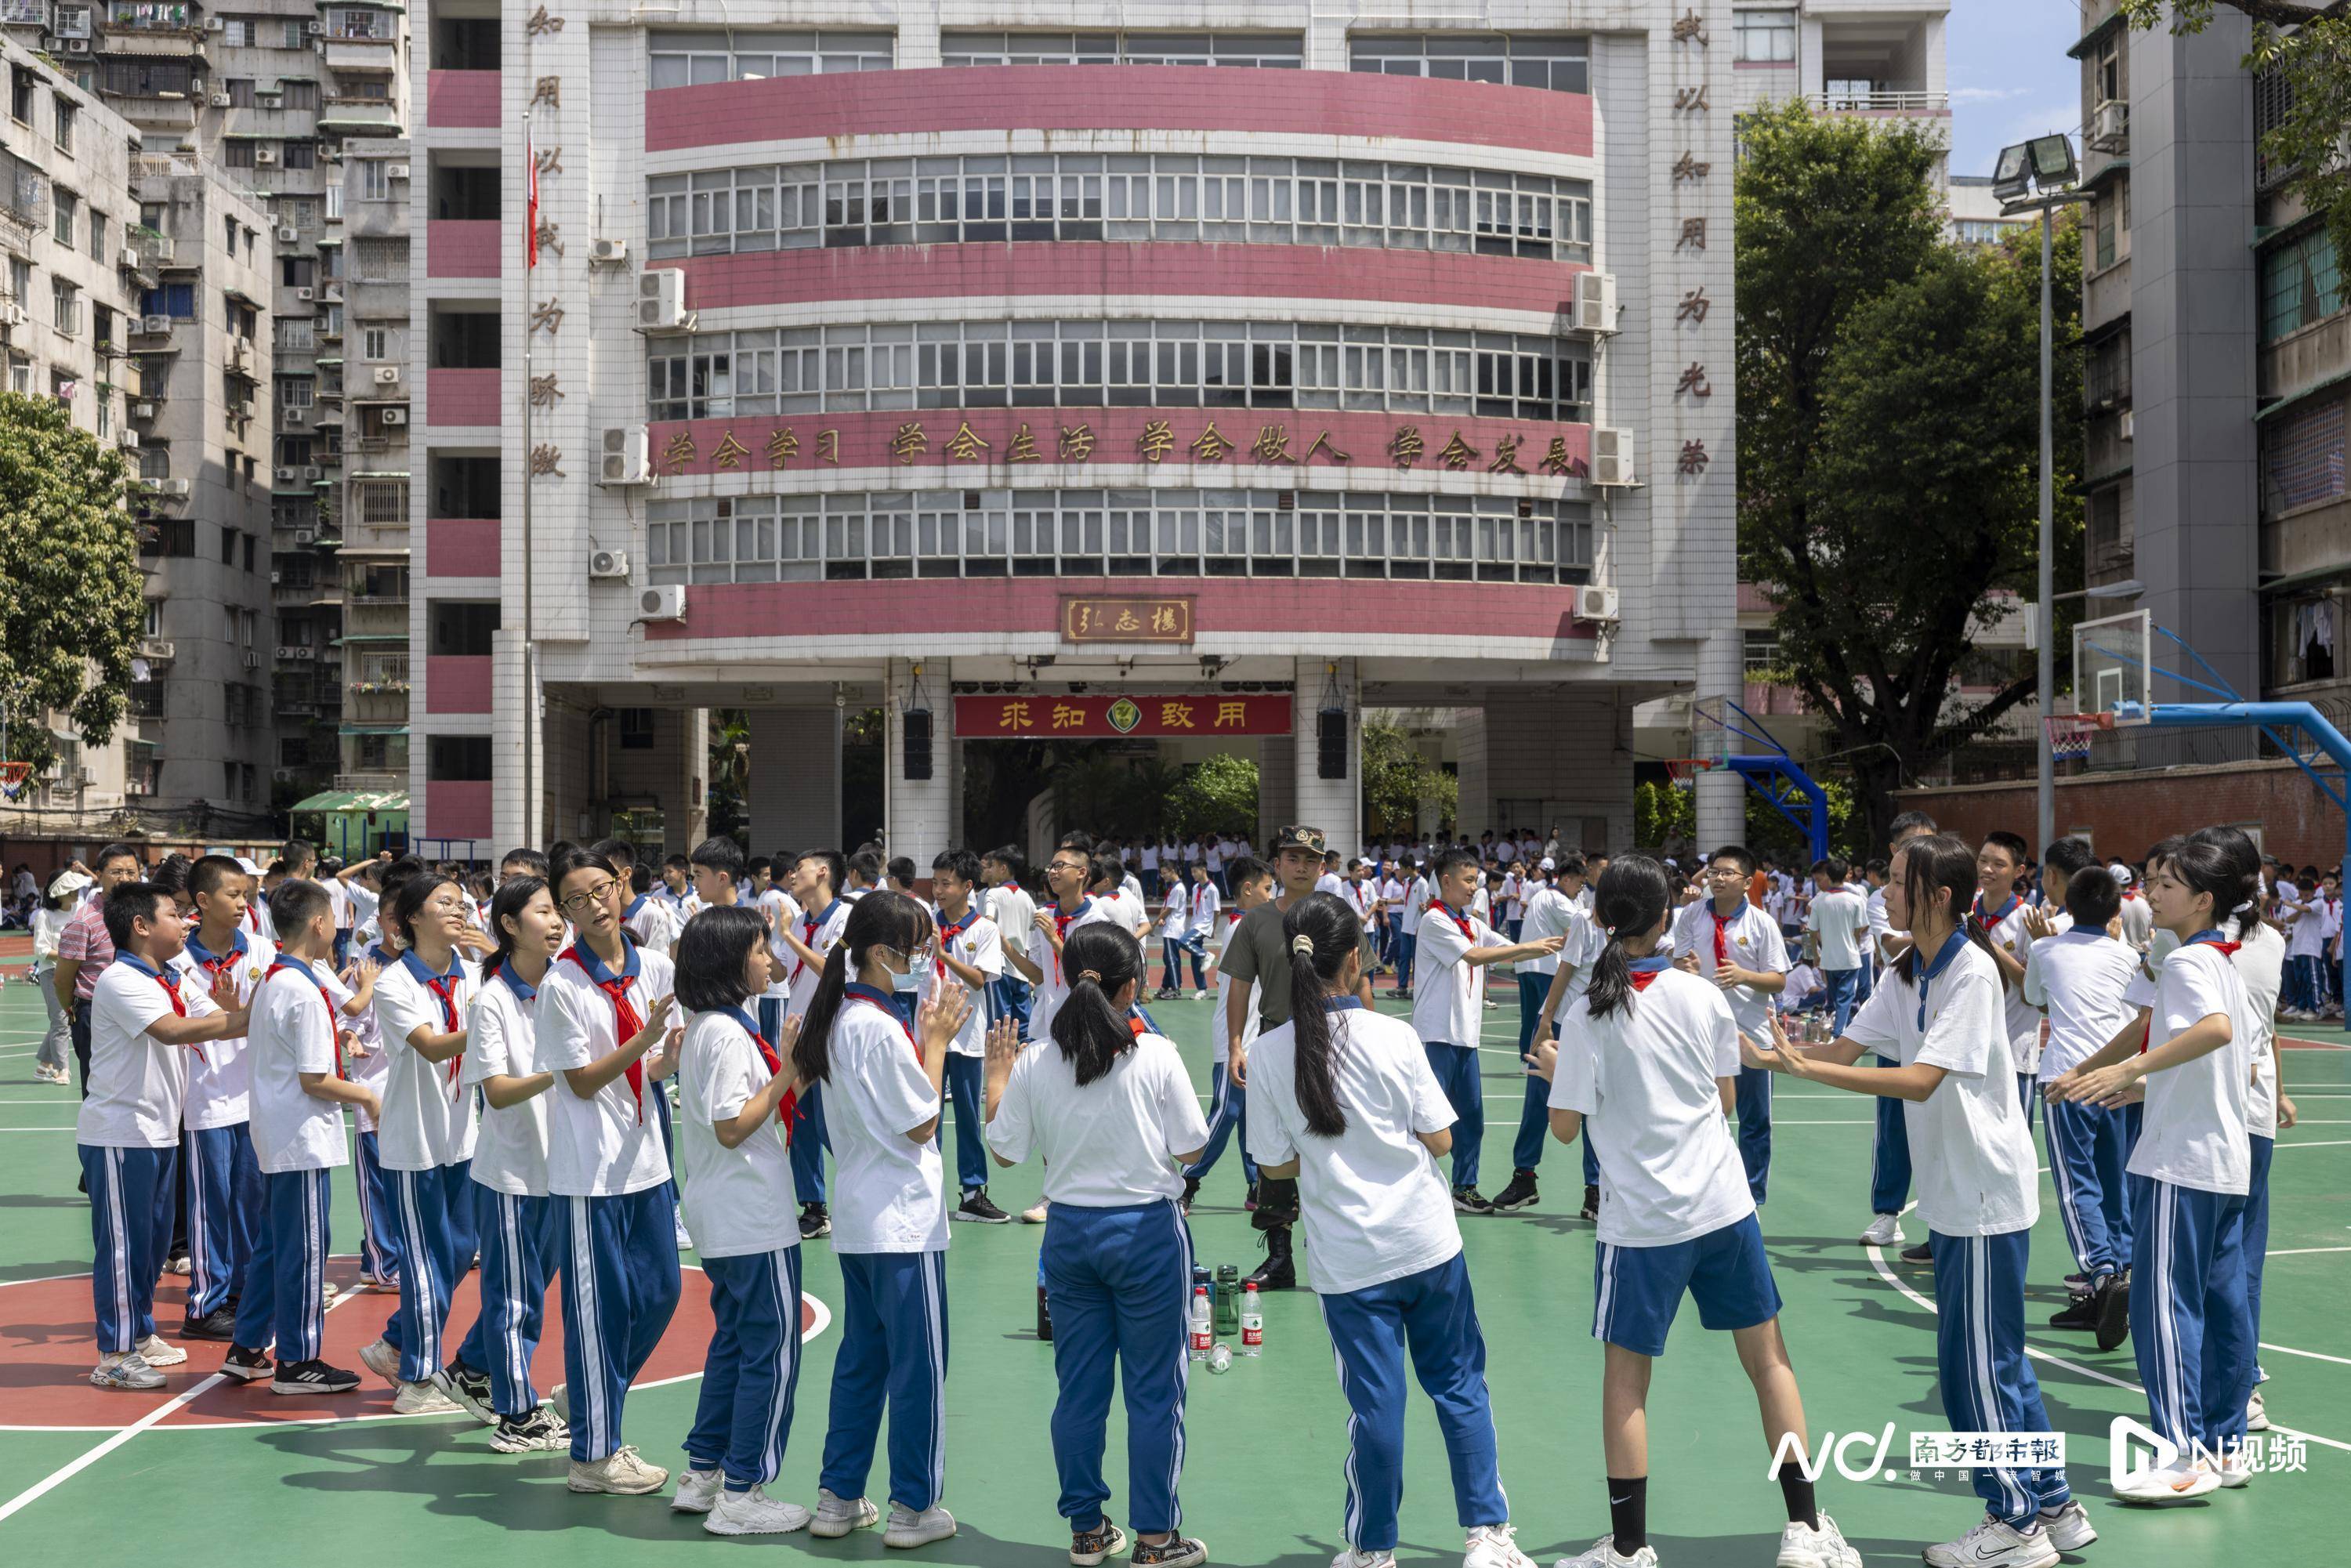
1604	1554
382	1360
623	1471
2257	1416
677	1220
1351	1558
1802	1546
1033	1215
697	1490
1994	1544
424	1399
1883	1230
129	1370
558	1399
2233	1468
1199	996
157	1350
1494	1546
2069	1528
2177	1484
754	1512
906	1528
837	1516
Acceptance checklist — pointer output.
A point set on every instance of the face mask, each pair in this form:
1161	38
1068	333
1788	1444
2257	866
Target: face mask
909	981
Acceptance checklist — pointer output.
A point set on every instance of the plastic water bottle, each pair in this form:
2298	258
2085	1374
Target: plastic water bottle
1252	1321
1226	1300
1203	1334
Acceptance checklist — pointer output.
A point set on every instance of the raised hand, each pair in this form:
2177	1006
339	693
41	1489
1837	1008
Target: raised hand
941	1017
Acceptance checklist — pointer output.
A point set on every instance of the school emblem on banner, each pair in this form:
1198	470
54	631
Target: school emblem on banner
1124	715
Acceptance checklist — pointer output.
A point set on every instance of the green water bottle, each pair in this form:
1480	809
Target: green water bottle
1228	1300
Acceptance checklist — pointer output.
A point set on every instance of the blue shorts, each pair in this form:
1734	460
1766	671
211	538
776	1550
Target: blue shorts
1638	1290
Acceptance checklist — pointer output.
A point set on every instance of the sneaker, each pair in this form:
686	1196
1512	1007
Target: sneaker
382	1360
246	1365
1469	1200
2081	1312
2257	1416
1518	1194
2111	1302
2069	1527
128	1370
1199	996
1920	1253
814	1221
2176	1484
975	1209
1883	1230
677	1225
1351	1558
1802	1546
697	1490
1089	1547
1604	1554
1034	1216
1494	1546
377	1282
179	1263
558	1399
469	1389
313	1376
908	1528
1178	1551
2234	1468
220	1323
157	1350
542	1431
1591	1210
754	1512
424	1399
1249	1199
622	1471
1992	1544
2079	1284
837	1516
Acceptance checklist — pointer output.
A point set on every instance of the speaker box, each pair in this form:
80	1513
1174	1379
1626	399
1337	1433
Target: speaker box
918	743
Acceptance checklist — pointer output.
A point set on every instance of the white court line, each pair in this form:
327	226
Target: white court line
2313	1355
2298	1251
39	1129
2315	1144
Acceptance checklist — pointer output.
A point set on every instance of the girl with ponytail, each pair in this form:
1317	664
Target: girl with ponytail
1344	1102
889	1214
1111	1111
1650	1053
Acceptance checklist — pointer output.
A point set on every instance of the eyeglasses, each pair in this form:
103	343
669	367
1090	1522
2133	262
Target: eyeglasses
1066	865
915	959
581	901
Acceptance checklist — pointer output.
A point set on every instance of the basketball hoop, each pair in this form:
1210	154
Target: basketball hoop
2070	734
1683	771
12	777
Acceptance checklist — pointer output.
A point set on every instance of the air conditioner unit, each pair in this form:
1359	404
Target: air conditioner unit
304	294
220	100
243	410
215	25
174	486
2110	125
395	172
313	29
303	535
306	653
1612	458
126	436
142	410
608	250
156	650
314	473
1596	603
661	299
285	476
16	316
265	157
2122	424
666	602
1595	306
628	455
281	775
76	46
154	324
130	261
604	565
288	236
387	375
253	658
296	416
395	416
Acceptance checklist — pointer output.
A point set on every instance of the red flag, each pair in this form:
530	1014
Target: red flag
530	202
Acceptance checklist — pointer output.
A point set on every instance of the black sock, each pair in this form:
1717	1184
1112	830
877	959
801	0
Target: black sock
1628	1514
1798	1491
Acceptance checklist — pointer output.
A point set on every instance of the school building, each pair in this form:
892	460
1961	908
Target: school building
1203	382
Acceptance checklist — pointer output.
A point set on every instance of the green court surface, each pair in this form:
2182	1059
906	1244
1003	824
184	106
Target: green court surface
1265	1442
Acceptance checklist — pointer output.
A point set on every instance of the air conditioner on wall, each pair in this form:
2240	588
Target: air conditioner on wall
395	416
1593	308
1596	603
609	251
288	235
2110	125
76	46
2122	424
1612	458
152	325
304	294
295	415
265	157
395	172
665	602
220	100
628	455
387	375
661	299
605	565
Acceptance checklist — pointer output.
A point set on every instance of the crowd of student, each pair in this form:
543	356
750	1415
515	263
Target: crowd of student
570	1073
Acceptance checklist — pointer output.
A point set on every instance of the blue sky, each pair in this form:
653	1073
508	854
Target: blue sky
2010	77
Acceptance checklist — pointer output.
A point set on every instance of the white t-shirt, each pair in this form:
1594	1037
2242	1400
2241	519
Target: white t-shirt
1448	996
294	1029
652	922
1969	1146
1053	988
1754	942
1646	1074
2023	1019
510	1154
220	1085
611	1144
1221	1022
1374	1205
738	1201
801	977
2082	980
889	1192
1416	899
2260	965
1331	882
2198	1119
1880	928
428	1115
1841	920
1012	909
137	1084
1112	1142
364	902
1205	906
981	946
1175	913
1549	912
365	1058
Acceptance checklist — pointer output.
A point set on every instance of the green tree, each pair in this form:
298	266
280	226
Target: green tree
1662	816
2309	47
70	591
1397	782
1218	796
1888	435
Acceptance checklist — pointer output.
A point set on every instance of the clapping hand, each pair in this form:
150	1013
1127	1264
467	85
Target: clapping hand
941	1015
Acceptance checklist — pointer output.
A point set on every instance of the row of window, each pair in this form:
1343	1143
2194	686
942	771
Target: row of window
1087	533
1128	196
1085	363
1551	61
2302	283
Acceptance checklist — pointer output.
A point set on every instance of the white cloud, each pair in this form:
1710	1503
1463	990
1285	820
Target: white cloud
1984	94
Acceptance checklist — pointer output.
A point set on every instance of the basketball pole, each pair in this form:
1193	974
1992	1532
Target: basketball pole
2045	795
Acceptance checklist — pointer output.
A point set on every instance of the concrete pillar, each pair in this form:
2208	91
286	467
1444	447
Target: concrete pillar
795	779
1475	812
1333	805
686	802
1721	797
1563	758
518	807
919	816
1277	786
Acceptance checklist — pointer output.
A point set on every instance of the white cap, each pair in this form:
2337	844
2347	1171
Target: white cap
1549	863
2121	874
67	881
245	864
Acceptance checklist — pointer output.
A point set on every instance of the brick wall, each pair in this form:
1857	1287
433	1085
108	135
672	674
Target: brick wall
457	682
457	809
2125	812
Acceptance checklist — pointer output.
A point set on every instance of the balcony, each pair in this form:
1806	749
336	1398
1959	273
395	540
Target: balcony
462	397
1880	100
457	682
360	117
466	101
462	247
361	56
151	30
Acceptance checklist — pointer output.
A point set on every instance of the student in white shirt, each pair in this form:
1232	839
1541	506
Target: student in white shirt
2000	912
1201	928
1112	1114
1348	1107
734	1099
1417	892
1725	938
1546	984
603	1004
1941	1014
298	1090
1014	912
971	954
225	1205
148	1015
1651	1053
1449	987
2192	1175
889	1223
1174	925
1838	921
818	881
650	920
782	912
1889	1150
1252	881
1067	874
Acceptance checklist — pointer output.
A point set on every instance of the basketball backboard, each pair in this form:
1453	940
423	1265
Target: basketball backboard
1711	729
2113	666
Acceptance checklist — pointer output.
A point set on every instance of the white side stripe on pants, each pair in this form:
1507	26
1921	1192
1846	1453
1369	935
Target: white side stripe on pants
590	1331
119	1240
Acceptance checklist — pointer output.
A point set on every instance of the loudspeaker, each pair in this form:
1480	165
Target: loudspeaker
918	743
1330	743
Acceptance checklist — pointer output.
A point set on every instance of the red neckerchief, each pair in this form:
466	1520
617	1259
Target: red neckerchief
948	932
625	1022
865	994
446	988
1646	971
1438	906
1135	1027
1061	929
332	1032
789	1105
171	990
1985	921
1722	933
2201	939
